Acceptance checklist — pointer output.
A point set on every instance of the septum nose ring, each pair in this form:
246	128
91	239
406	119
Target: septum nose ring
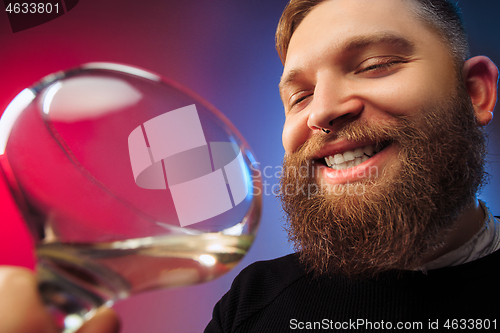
326	130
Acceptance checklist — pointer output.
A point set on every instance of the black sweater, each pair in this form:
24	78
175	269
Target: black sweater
279	296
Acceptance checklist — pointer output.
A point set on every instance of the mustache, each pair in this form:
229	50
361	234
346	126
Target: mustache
399	129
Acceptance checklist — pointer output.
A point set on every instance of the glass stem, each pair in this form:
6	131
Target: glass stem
69	304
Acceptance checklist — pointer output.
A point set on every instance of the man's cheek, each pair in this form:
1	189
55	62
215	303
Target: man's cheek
295	133
402	94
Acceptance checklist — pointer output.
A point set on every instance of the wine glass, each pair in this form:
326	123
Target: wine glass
128	182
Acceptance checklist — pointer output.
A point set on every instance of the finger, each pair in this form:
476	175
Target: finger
21	308
104	321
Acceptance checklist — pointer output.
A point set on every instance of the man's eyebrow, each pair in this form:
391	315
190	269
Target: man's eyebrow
358	43
403	44
290	77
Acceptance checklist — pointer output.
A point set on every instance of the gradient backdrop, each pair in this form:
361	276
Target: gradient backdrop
223	50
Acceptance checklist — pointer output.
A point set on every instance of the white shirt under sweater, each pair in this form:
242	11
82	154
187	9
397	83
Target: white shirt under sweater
483	243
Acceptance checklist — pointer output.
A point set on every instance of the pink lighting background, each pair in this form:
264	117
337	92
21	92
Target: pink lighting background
224	51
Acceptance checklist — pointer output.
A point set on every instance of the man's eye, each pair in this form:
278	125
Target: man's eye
299	99
379	66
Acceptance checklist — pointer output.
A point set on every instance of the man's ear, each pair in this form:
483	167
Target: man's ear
481	79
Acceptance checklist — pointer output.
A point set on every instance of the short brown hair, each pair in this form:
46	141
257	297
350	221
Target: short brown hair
440	15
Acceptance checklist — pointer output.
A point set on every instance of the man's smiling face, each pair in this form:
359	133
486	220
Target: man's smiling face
369	61
377	111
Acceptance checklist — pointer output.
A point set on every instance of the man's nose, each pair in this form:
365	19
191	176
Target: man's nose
334	103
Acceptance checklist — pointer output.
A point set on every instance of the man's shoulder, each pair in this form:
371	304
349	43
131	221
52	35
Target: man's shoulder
276	266
257	286
268	277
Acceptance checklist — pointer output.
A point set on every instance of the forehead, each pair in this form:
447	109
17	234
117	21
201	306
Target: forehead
334	23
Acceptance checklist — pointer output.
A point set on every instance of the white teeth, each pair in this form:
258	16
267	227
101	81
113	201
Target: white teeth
368	150
348	156
352	158
338	159
358	152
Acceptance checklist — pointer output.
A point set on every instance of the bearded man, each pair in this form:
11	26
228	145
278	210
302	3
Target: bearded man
386	115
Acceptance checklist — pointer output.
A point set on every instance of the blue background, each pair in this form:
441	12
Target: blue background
223	50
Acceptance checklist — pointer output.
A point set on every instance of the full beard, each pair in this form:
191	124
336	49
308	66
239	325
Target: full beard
394	220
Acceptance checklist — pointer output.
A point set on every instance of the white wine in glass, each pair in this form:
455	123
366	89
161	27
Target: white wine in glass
128	182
